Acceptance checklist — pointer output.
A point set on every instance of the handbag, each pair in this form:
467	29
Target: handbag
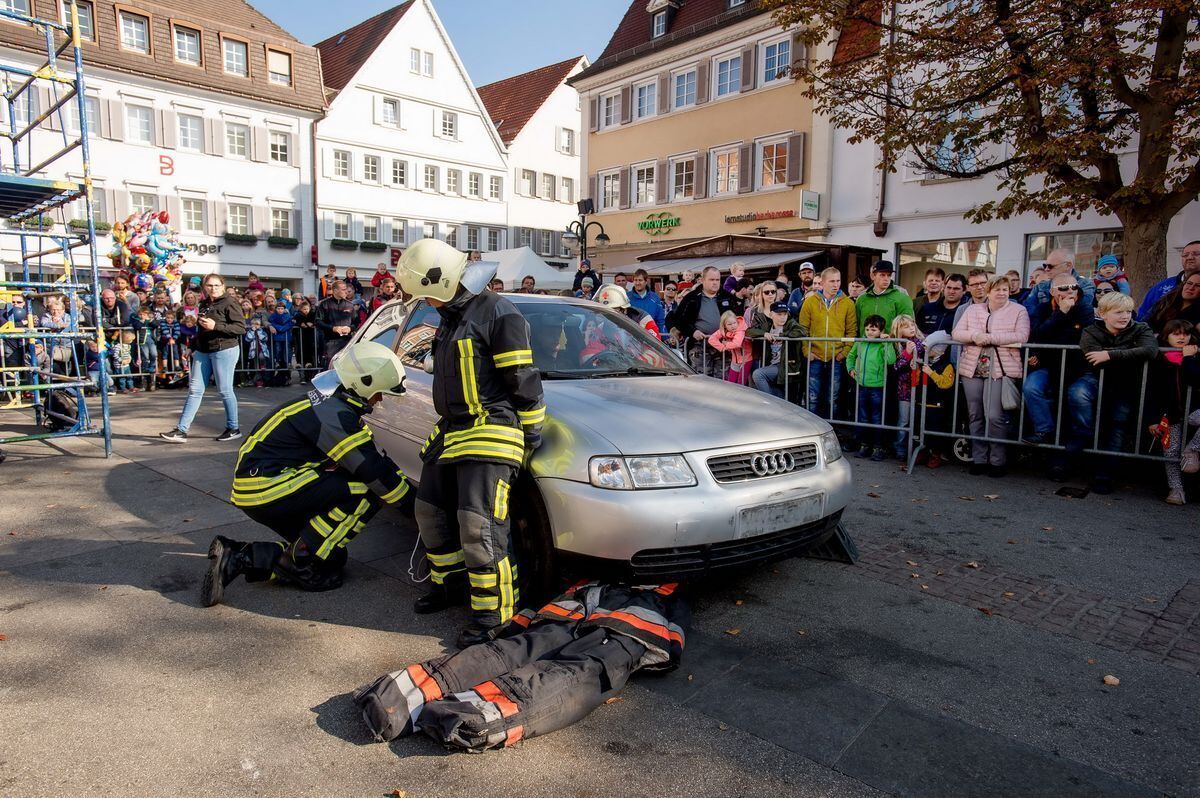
1010	394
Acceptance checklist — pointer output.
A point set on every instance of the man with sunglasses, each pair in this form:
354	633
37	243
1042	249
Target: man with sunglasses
1061	322
1060	261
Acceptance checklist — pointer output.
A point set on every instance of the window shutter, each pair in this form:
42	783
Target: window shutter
624	190
209	149
293	151
701	175
326	163
377	109
218	220
558	140
120	204
594	114
518	189
664	92
169	124
591	190
535	185
799	56
116	120
356	228
661	183
218	137
43	102
104	123
746	168
175	210
260	145
748	70
159	131
553	193
795	165
626	104
262	221
328	226
702	82
110	207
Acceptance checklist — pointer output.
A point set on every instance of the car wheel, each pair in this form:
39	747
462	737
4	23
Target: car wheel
533	544
962	450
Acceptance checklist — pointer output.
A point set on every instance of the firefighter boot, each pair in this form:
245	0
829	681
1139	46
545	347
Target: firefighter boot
299	566
441	597
227	560
474	633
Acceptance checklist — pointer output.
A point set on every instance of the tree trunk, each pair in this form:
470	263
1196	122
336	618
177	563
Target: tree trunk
1145	249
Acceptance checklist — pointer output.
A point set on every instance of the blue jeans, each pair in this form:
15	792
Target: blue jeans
1118	409
903	410
204	366
870	411
124	381
824	383
1040	388
281	352
764	380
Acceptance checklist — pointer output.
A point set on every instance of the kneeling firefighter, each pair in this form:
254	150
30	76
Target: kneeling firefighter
310	471
488	396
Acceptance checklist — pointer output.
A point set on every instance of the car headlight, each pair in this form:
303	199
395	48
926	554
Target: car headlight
831	447
636	473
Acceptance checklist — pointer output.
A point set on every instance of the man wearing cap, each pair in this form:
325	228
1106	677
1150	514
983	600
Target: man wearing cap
781	364
585	272
796	299
882	298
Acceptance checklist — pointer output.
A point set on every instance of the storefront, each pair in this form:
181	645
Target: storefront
955	255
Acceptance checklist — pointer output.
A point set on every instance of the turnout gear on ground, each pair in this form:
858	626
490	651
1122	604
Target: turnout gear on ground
544	671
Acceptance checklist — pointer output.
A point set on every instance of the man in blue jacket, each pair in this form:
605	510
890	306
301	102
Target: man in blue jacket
645	299
1061	261
1190	258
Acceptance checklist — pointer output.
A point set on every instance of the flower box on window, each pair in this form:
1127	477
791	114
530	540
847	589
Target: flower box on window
241	238
283	242
372	246
343	243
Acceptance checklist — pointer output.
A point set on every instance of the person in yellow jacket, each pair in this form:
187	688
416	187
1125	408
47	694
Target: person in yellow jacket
827	314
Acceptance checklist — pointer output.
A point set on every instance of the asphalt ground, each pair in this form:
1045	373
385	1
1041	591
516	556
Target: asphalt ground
965	653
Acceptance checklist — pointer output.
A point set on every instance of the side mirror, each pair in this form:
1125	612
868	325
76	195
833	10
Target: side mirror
427	364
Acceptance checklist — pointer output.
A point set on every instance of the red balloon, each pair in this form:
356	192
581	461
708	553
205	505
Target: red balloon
164	217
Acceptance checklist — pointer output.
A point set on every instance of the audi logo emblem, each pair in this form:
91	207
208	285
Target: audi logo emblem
770	463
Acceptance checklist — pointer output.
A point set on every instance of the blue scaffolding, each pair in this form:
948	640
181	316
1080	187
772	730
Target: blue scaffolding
47	363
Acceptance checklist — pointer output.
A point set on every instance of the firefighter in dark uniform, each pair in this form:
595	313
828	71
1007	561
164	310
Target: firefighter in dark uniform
488	396
310	471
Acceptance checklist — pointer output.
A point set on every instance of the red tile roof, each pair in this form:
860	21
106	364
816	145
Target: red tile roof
512	102
861	33
633	38
343	54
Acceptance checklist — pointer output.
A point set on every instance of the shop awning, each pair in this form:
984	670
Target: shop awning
723	262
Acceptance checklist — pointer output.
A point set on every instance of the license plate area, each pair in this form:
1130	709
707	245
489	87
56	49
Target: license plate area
768	518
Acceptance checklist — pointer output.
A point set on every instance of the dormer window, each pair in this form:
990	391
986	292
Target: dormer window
659	26
661	13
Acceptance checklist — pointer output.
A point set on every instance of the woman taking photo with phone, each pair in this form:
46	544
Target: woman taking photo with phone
221	327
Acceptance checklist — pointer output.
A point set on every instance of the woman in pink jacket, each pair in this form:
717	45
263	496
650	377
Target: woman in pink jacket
987	329
731	338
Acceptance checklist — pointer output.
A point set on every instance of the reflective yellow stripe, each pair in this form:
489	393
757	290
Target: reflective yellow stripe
517	357
484	602
318	523
343	529
483	580
466	359
355	440
277	419
257	498
253	483
446	559
484	432
507	599
337	514
397	493
529	417
504	451
358	489
500	506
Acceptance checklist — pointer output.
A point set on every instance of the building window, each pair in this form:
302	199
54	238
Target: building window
474	184
566	142
726	172
414	61
429	230
193	215
773	158
525	238
453	181
549	184
685	89
341	164
399	230
341	225
431	178
495	187
371	168
239	219
568	189
643	183
452	236
427	64
187	46
610	191
736	3
399	172
87	17
449	125
279	146
776	60
143	201
281	222
529	182
647	100
91	108
493	238
1088	247
610	110
472	238
139	124
729	76
545	242
659	26
391	112
951	256
135	32
683	179
15	6
371	228
191	132
237	139
237	61
23	109
279	68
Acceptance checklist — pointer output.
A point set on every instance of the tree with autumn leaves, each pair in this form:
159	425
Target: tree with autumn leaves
1071	104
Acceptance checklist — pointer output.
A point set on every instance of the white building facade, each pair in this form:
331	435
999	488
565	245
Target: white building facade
407	150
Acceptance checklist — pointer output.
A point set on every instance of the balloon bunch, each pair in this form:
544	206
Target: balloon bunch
147	251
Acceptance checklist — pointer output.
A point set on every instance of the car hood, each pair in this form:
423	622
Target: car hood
685	413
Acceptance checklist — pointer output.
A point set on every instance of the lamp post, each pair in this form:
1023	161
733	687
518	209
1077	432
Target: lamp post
577	232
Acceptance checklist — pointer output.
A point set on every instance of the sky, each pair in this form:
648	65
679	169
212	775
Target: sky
494	38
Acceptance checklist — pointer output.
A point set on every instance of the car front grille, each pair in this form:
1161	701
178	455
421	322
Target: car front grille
770	463
684	562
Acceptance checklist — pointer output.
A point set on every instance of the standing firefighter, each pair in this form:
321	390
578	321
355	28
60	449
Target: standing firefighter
310	471
488	396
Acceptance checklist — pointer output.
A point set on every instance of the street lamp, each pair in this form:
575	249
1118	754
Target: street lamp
577	232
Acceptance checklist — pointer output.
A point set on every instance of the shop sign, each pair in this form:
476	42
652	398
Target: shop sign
810	205
204	249
761	216
658	224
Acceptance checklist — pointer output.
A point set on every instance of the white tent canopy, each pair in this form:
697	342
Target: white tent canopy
515	264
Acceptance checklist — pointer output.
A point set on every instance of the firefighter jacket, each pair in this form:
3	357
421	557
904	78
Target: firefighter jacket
291	446
486	389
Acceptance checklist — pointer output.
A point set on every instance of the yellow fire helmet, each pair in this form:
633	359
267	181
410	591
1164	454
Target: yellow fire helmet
432	269
367	368
612	296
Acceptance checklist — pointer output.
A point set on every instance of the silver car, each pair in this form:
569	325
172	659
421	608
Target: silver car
648	471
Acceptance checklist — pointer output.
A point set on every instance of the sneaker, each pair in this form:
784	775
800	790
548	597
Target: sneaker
1190	462
879	455
1037	438
1175	497
864	452
174	436
229	435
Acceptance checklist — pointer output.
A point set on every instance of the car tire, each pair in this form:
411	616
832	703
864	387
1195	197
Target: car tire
538	574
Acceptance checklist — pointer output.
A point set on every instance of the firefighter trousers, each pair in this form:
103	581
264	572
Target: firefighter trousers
493	694
317	522
462	512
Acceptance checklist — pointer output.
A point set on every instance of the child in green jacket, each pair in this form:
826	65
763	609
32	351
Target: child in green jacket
868	364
